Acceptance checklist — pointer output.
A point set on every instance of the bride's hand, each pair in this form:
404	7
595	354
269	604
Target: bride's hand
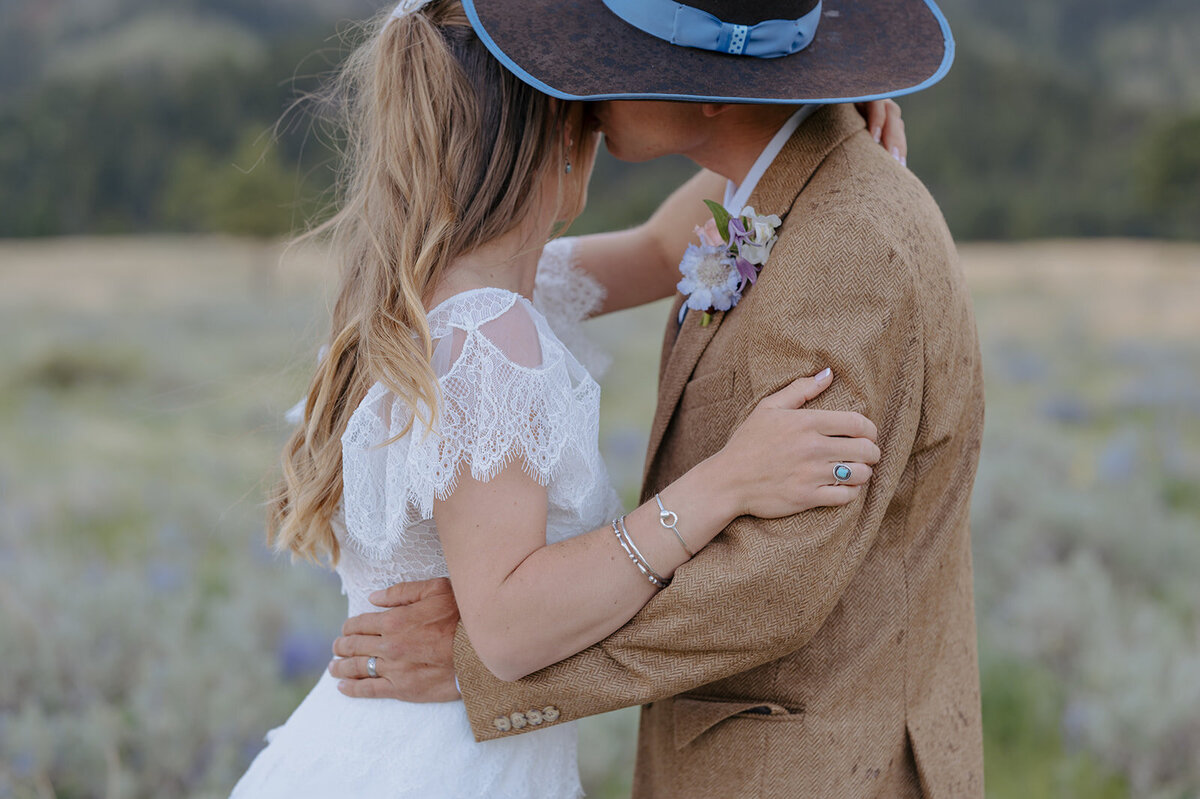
782	459
886	126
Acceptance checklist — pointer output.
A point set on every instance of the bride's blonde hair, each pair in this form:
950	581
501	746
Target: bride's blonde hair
444	151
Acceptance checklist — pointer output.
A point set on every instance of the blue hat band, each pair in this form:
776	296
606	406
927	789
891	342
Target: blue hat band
690	27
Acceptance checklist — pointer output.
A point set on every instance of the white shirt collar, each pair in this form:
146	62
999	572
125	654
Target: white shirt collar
736	197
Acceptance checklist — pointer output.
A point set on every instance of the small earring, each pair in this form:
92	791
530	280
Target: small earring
570	144
568	169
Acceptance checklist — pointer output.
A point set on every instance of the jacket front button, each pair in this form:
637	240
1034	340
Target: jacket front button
518	720
502	723
534	716
550	713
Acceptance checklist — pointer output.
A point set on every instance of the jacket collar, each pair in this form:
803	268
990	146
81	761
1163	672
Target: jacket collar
737	196
796	163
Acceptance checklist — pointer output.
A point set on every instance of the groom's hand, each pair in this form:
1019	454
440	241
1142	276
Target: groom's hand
412	643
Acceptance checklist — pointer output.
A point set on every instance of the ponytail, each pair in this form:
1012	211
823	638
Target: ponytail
444	150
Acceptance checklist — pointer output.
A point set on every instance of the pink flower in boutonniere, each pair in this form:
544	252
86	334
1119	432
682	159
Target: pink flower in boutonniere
708	234
732	251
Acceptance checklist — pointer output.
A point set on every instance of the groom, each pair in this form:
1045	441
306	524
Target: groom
832	653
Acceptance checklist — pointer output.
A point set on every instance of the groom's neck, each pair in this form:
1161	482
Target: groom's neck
737	135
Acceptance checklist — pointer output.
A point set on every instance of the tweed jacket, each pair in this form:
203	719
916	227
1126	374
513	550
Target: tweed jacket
831	653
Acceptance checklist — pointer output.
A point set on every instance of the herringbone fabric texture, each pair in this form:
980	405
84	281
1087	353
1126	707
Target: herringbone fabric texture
832	653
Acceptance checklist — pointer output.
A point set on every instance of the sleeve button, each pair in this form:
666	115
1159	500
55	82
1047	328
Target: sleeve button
502	723
550	713
534	716
518	720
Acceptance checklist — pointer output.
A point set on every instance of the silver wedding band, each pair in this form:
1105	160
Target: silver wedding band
371	667
841	474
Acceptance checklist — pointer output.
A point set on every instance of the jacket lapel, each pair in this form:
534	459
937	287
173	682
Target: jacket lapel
669	337
775	194
677	370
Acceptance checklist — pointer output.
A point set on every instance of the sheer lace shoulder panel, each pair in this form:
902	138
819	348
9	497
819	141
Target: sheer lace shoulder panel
515	335
502	317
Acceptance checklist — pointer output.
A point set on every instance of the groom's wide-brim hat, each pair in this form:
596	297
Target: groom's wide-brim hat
765	51
719	50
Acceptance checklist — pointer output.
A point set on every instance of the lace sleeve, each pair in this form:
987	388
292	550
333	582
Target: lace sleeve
568	296
511	394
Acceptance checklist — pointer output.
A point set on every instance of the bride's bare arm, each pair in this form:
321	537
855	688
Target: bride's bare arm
526	604
641	264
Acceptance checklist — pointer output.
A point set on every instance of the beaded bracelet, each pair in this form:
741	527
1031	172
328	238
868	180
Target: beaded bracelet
638	552
631	550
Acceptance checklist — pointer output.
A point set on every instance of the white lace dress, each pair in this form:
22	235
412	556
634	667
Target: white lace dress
510	389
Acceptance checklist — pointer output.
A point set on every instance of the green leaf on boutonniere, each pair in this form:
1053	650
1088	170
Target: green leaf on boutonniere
720	216
704	320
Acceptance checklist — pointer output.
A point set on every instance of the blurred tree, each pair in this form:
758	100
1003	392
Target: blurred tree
1011	151
1170	174
1132	50
98	155
249	192
1011	145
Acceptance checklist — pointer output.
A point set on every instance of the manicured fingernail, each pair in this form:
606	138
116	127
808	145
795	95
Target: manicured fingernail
896	154
375	596
824	375
343	685
903	161
877	134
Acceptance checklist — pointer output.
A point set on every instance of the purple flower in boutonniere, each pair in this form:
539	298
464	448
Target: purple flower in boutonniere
732	251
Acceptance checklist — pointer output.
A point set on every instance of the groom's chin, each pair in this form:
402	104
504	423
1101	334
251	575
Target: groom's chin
626	154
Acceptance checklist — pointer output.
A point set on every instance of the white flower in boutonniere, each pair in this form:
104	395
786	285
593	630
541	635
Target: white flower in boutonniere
732	251
710	278
757	235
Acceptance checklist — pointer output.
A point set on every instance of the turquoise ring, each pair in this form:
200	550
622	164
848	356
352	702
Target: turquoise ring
841	473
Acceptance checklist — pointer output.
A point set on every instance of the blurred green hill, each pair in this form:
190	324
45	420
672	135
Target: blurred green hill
1063	119
47	39
1143	50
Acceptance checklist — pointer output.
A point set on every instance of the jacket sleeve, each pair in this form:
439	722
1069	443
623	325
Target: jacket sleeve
762	588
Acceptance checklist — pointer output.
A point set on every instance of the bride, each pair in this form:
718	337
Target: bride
450	431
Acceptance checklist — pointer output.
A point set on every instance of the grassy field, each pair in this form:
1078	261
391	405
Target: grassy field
148	638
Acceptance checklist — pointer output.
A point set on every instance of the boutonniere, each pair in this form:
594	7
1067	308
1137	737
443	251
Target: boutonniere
731	252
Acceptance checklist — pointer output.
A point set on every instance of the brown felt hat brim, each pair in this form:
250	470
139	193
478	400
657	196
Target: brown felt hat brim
580	50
